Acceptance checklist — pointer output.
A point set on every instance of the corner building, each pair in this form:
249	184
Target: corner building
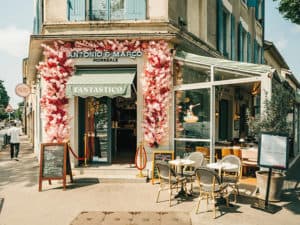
109	74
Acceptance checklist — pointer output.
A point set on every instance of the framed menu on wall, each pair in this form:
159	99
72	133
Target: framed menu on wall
273	150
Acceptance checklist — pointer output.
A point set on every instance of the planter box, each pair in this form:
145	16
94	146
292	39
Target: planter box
276	184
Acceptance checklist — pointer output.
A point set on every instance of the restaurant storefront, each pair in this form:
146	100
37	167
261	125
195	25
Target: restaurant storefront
107	96
102	96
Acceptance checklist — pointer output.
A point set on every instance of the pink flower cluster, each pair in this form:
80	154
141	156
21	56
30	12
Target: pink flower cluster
156	87
57	69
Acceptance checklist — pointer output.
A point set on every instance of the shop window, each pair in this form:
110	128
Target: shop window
192	117
184	148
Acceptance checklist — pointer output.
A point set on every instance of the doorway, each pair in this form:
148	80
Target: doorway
107	129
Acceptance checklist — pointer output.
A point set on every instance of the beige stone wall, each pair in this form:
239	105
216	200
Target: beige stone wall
157	10
212	23
55	11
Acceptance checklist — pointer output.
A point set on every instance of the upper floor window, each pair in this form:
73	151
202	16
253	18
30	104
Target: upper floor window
226	33
225	30
80	10
243	44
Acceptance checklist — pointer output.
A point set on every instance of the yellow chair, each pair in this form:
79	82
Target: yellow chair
205	151
226	151
237	152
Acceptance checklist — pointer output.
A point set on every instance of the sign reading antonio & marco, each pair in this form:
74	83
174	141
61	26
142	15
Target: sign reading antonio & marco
107	54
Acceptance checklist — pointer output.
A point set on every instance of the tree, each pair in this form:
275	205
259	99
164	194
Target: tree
290	9
4	99
275	117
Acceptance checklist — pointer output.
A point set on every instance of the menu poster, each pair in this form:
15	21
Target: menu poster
273	151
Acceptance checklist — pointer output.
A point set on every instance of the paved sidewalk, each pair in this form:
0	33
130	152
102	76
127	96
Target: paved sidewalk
22	204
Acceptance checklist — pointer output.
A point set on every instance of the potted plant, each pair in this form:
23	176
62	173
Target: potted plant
274	119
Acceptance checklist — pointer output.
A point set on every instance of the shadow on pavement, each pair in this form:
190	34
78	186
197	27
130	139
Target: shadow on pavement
132	218
1	204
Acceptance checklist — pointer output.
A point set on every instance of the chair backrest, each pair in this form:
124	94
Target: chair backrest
198	157
208	178
233	159
164	170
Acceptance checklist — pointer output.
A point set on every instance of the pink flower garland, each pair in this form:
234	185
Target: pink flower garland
156	87
57	69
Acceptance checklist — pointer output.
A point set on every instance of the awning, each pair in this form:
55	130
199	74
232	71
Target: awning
98	84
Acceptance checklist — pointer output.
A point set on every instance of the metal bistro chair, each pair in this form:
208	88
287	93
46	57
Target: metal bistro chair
189	171
210	187
168	180
232	176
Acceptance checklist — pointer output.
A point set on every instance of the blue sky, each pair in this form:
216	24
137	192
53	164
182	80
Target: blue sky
16	20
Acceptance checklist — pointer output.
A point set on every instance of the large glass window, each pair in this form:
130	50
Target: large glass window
190	75
184	148
192	113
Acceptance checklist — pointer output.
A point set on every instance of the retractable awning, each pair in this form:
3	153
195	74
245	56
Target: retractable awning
98	84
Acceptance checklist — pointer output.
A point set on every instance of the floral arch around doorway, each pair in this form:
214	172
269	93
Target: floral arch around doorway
57	68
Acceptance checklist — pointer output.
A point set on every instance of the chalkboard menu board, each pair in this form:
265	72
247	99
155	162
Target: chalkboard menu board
160	156
54	163
273	151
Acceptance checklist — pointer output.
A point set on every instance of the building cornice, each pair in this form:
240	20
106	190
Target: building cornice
145	30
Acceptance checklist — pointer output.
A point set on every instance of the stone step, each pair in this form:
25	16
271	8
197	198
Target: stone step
110	174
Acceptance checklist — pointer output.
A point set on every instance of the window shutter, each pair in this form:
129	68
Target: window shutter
251	3
135	9
255	52
76	10
241	44
248	47
256	9
220	45
233	48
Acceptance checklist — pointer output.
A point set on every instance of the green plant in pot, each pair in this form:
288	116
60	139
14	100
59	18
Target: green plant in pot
274	119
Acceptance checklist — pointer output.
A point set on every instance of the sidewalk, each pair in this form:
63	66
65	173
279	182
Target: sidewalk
22	204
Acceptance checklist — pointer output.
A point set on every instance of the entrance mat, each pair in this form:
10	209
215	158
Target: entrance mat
132	218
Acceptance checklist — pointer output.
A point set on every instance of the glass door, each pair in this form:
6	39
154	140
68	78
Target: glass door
102	123
95	145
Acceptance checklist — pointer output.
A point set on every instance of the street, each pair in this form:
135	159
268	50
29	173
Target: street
22	204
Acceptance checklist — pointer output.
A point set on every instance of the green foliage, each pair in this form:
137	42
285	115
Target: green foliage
4	99
290	9
17	114
275	117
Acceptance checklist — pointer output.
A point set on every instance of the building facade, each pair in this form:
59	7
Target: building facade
109	74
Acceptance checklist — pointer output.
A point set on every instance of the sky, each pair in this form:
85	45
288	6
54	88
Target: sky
16	24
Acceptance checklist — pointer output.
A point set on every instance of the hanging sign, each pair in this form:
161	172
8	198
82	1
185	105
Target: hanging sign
22	90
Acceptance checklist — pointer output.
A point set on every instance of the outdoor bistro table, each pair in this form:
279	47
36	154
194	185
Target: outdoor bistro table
221	166
181	163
